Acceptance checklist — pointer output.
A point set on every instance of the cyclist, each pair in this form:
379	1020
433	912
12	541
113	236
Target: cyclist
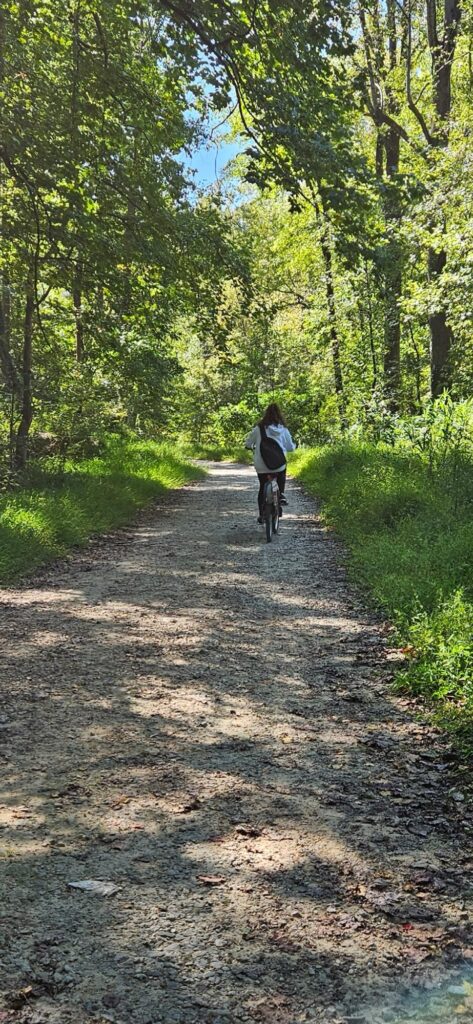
273	424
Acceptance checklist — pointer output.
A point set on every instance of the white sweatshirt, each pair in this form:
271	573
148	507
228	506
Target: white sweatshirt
280	434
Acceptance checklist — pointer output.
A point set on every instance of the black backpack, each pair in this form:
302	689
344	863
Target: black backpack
271	452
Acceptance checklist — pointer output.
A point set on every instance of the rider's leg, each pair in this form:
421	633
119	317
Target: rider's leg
282	485
262	477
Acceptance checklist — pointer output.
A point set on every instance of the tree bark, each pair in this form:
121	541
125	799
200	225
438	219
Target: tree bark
392	277
21	450
374	361
441	335
333	327
381	59
77	300
442	53
77	282
7	364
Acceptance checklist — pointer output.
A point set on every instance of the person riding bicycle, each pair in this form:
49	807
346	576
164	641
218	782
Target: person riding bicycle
273	426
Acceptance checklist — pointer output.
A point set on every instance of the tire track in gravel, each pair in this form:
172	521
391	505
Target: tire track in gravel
205	720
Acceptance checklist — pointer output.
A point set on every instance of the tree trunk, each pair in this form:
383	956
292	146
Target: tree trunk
77	300
333	327
374	361
383	106
7	364
392	213
442	53
392	277
441	335
26	400
77	282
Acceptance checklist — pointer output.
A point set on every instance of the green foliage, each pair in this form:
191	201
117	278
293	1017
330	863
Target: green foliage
442	669
100	231
407	522
63	504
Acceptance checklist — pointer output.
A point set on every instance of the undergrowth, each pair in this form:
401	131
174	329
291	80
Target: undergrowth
408	524
63	503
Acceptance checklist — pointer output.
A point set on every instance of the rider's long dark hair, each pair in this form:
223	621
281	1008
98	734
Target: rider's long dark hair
273	415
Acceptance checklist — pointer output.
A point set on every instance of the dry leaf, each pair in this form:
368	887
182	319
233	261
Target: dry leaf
95	886
192	804
211	879
252	831
120	801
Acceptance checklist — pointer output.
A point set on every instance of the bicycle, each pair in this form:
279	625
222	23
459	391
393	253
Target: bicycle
271	506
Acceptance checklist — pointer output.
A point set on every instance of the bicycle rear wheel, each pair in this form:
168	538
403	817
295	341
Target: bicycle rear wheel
268	510
269	528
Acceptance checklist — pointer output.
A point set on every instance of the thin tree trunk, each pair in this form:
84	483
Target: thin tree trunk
418	368
77	300
392	277
333	327
441	335
77	283
7	364
21	449
374	360
383	107
442	53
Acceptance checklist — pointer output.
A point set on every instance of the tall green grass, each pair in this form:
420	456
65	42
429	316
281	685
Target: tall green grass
409	530
62	505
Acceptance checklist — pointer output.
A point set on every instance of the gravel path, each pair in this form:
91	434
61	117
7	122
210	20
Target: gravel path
205	721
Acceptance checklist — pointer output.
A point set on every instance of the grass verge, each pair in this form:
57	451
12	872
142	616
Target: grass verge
62	506
410	536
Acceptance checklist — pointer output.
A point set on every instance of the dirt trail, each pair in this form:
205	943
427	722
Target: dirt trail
205	721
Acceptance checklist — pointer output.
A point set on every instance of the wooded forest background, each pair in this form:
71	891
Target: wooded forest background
332	268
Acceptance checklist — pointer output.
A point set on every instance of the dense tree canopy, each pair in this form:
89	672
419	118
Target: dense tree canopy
335	272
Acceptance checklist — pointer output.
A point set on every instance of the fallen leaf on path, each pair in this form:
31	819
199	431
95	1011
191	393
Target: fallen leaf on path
192	804
95	886
21	812
248	830
211	879
70	790
120	801
16	1000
